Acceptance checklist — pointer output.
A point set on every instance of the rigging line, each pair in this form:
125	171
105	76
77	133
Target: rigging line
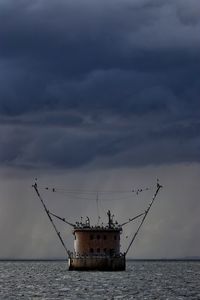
73	195
78	191
62	219
92	199
130	198
71	192
103	199
145	215
51	220
97	202
132	219
102	209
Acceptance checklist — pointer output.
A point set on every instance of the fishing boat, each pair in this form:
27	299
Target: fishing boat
97	247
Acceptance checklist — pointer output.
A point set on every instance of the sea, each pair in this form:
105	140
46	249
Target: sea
141	280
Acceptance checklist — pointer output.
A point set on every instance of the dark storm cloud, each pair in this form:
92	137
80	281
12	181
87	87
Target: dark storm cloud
114	82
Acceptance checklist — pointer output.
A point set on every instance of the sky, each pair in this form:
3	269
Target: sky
100	95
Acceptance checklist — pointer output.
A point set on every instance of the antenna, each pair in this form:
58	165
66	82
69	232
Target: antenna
97	202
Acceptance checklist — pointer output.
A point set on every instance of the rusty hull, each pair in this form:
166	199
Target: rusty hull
97	263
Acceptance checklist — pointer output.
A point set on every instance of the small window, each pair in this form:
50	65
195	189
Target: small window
91	237
105	250
98	250
104	237
115	237
91	250
112	252
98	237
75	237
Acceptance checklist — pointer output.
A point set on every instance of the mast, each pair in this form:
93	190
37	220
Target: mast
109	219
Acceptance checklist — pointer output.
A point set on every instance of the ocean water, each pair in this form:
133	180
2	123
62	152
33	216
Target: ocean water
141	280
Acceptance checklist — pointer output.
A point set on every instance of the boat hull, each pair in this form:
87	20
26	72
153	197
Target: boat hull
97	263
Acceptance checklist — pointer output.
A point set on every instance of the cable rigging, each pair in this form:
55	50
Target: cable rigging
87	224
144	217
103	195
51	220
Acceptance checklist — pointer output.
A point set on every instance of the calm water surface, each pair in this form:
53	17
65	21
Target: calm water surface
141	280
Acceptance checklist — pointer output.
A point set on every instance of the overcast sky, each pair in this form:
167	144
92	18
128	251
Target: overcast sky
100	95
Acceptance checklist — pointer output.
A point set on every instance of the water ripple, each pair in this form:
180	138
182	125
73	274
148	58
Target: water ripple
141	280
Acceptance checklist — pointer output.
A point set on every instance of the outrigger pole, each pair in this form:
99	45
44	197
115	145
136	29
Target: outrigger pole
51	220
145	215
